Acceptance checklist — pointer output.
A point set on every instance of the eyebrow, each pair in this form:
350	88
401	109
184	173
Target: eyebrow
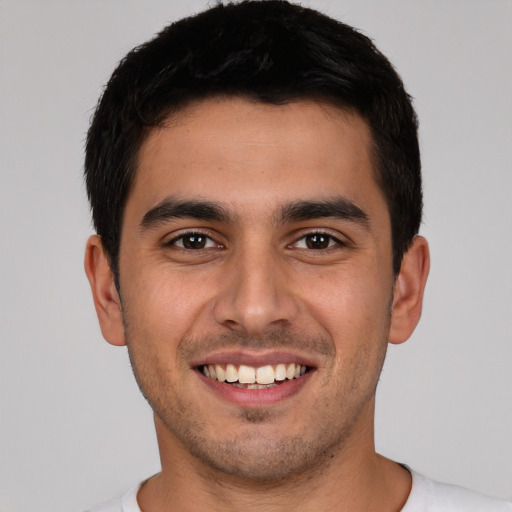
338	207
174	208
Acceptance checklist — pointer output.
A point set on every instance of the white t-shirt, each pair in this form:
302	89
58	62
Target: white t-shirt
426	496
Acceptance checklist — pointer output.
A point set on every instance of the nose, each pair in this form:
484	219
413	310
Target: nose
256	296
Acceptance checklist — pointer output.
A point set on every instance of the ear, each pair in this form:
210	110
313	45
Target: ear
408	291
106	299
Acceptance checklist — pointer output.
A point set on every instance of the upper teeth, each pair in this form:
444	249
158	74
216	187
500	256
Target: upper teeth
250	375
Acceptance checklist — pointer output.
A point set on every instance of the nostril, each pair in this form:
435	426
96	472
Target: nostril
254	300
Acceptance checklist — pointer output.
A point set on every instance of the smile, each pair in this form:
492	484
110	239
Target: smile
249	377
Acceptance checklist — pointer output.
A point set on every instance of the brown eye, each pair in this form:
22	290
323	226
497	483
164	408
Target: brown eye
194	241
318	241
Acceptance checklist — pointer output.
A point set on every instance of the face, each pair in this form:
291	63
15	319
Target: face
256	284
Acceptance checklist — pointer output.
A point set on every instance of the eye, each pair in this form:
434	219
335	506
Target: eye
193	241
316	241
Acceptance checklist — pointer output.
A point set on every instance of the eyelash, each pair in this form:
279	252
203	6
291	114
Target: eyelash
332	241
190	234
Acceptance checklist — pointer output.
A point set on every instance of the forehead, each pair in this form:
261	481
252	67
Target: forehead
245	153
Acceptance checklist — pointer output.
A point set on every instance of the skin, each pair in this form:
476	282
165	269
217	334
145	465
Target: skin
259	289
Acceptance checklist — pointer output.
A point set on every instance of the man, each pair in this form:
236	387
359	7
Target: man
254	178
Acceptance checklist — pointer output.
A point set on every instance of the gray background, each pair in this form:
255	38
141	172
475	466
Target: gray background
73	428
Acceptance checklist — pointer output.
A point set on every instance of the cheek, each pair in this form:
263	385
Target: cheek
154	325
162	303
354	311
349	304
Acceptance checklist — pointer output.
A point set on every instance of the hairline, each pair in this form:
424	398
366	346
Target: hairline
171	114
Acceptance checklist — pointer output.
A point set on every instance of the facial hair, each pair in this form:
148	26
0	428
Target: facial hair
258	450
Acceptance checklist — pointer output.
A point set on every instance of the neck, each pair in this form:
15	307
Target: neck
354	477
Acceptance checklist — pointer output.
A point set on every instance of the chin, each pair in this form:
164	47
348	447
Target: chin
263	460
260	453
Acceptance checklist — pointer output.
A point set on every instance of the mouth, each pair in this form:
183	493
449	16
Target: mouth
254	378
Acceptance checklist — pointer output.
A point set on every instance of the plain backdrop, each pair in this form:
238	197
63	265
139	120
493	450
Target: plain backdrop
74	429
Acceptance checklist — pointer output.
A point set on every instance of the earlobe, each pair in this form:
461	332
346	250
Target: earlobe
408	291
106	298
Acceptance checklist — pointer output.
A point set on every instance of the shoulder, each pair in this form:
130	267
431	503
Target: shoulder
430	496
125	503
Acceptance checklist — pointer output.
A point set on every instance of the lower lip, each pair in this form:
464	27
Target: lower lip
256	397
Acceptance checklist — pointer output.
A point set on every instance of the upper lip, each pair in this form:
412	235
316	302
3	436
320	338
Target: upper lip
255	359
